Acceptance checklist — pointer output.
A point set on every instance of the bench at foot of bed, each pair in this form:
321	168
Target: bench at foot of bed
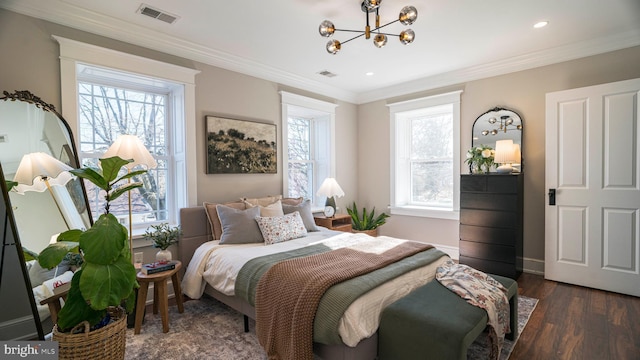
434	323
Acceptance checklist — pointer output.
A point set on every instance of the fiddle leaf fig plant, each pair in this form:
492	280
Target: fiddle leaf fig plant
107	277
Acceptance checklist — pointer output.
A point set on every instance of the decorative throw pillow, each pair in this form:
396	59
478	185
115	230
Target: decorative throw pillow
292	201
283	228
263	201
214	220
272	210
239	226
304	209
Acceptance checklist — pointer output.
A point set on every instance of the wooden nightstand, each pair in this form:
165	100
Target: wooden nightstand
339	222
160	296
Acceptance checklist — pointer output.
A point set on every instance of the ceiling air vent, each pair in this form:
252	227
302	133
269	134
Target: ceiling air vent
157	14
327	73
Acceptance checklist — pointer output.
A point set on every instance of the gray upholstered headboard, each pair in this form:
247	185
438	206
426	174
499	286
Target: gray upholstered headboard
196	230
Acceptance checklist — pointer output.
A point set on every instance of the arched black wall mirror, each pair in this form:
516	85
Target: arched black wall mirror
36	150
499	124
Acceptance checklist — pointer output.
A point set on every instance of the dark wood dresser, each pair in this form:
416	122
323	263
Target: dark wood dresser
491	223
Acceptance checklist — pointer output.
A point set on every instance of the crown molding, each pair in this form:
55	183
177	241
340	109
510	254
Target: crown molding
99	24
102	25
505	66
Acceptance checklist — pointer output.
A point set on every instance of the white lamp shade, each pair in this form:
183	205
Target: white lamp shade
36	167
131	147
330	188
504	152
517	155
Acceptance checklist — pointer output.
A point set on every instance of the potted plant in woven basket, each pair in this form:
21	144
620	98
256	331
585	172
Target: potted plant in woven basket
365	222
92	322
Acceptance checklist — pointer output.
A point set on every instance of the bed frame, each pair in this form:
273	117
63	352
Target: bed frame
196	230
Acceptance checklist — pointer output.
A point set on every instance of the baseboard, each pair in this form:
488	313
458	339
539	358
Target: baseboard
530	266
452	251
533	266
22	328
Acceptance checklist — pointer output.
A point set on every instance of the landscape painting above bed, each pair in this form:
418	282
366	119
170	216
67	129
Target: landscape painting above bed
238	146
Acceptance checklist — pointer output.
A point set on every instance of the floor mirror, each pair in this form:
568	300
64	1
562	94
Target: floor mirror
40	200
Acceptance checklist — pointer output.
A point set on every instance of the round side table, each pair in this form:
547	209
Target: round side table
160	295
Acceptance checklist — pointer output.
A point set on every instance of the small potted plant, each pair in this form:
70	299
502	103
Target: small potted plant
163	236
368	222
480	159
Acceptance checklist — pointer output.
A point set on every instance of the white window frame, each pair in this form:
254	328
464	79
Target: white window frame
183	131
322	141
400	170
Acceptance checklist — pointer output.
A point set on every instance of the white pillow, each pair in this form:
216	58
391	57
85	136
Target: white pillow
270	210
282	228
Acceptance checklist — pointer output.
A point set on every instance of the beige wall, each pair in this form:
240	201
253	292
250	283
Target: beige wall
30	61
32	64
523	92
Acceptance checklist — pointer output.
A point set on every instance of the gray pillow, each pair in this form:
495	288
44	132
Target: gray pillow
304	208
239	226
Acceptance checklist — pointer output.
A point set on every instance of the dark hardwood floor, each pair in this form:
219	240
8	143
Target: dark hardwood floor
573	322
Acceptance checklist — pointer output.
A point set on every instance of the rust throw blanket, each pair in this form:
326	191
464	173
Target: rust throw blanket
288	294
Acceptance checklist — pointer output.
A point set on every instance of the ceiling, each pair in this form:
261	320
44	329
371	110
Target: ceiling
456	41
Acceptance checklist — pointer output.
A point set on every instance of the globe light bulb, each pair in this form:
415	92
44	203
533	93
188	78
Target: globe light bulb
408	15
326	28
492	120
380	40
333	46
372	4
407	36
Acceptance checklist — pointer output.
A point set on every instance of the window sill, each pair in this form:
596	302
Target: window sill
425	212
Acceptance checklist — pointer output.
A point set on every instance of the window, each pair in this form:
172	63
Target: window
308	136
426	156
109	108
105	94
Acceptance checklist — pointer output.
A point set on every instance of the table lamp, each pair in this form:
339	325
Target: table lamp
330	189
505	155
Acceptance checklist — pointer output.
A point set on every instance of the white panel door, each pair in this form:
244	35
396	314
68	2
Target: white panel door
592	233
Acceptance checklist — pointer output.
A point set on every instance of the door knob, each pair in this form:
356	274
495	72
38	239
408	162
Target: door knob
552	197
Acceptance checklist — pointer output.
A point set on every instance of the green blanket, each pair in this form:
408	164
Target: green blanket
339	297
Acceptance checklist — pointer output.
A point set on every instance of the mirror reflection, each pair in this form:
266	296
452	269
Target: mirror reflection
496	125
36	152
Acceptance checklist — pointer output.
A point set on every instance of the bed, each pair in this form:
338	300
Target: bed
212	269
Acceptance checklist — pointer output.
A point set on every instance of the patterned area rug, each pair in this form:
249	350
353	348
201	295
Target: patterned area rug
209	330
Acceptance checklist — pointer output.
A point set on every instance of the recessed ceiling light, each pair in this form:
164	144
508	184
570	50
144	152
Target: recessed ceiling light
369	73
540	24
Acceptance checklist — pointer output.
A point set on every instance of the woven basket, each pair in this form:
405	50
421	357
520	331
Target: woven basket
107	343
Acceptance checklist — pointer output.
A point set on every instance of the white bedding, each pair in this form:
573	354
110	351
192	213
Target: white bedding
218	265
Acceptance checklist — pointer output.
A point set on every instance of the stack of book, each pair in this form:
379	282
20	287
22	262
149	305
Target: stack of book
158	266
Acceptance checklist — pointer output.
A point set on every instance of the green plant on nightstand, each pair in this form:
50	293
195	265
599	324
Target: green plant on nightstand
163	236
366	221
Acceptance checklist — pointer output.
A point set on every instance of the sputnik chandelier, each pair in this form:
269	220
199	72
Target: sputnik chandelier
503	126
408	16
